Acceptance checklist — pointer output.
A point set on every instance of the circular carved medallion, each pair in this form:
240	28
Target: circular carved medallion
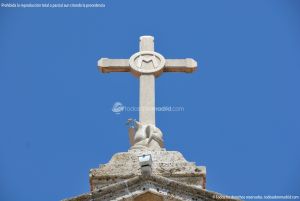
147	62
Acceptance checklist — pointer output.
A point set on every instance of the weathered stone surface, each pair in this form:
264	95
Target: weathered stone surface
169	164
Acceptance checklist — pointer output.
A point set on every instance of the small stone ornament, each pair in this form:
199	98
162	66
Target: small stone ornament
143	136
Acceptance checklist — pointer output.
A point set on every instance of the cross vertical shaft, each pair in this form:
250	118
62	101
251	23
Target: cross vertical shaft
147	87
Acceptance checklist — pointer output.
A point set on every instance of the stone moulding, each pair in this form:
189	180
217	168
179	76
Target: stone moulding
153	187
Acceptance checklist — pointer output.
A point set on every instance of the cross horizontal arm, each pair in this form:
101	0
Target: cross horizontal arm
106	65
180	65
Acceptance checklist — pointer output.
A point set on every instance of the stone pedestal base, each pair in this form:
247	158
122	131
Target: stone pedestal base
168	164
172	179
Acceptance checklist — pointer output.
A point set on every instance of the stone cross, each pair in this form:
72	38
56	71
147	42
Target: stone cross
147	65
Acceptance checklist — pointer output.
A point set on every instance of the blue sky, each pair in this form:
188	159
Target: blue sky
241	114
